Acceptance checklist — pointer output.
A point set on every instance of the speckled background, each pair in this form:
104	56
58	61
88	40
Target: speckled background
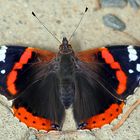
18	26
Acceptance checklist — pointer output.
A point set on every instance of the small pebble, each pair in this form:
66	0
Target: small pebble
134	4
113	22
58	21
113	3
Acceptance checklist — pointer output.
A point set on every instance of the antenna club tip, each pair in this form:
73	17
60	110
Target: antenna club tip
86	9
33	14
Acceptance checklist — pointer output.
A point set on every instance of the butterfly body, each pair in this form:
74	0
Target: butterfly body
67	66
42	84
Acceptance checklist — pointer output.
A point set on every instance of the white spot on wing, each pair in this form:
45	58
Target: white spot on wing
138	67
132	50
3	53
133	57
2	71
131	71
132	53
130	47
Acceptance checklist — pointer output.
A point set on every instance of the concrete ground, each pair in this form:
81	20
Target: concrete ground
18	26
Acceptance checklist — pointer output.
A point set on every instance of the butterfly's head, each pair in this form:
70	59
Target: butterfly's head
65	47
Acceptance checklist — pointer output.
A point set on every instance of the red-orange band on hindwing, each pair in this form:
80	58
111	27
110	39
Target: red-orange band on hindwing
12	76
121	76
32	121
104	118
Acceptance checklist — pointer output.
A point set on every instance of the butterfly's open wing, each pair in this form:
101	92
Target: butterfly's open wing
107	76
27	75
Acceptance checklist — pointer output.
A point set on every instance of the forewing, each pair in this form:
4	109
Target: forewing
16	64
119	66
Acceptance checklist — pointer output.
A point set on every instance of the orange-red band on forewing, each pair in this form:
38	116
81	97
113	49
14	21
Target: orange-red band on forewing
107	56
26	56
104	118
10	82
115	65
32	121
12	89
12	76
18	65
121	76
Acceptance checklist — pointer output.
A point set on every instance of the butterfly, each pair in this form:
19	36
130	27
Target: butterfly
43	85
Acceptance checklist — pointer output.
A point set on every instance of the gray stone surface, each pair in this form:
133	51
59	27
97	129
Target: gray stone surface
18	26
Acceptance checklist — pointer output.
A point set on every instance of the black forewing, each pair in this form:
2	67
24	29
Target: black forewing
10	56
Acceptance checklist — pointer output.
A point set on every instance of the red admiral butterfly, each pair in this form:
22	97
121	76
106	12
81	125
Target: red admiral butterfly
42	84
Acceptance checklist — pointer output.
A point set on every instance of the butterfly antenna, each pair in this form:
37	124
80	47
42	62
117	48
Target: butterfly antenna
45	27
78	23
